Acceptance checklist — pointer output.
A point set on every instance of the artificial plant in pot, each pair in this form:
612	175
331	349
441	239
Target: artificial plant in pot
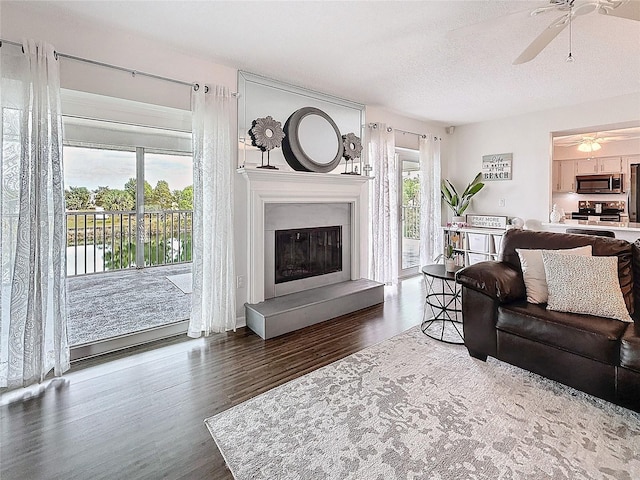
449	259
460	202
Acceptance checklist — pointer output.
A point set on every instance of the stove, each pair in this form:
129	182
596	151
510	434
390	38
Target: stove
599	211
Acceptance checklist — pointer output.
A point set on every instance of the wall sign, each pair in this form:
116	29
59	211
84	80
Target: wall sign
486	221
496	167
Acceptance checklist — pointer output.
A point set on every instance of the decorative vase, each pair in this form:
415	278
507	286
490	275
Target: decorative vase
457	219
556	215
449	265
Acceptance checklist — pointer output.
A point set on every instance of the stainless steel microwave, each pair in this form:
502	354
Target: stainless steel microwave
605	183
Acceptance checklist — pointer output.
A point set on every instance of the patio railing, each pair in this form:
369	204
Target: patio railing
107	241
411	222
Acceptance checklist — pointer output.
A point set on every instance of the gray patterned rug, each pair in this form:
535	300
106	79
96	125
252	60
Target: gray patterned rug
106	305
414	408
182	281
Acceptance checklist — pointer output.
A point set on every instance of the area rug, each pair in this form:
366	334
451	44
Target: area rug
107	305
414	408
183	282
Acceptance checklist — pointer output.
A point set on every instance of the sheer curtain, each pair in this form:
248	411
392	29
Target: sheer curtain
213	301
383	205
431	242
33	331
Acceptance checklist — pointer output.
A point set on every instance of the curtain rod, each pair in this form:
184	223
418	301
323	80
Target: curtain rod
389	129
133	73
410	133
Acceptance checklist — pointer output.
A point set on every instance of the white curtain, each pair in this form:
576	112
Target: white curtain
431	242
213	301
33	335
383	205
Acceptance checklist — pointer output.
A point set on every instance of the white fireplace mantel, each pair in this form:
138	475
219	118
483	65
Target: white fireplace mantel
275	186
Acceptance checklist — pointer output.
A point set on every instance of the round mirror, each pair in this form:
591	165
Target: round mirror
312	142
268	133
317	139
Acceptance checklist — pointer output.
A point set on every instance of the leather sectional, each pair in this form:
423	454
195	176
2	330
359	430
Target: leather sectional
597	355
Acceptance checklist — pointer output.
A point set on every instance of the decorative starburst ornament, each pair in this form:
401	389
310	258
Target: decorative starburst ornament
266	134
352	149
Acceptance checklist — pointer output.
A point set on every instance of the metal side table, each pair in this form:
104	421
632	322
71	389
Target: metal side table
445	303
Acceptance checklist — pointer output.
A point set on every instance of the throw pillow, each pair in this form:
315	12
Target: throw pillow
535	281
588	285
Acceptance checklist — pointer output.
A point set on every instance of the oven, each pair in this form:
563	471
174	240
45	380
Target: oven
598	217
597	211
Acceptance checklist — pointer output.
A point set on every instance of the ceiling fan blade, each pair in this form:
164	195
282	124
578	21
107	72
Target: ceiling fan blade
629	9
542	40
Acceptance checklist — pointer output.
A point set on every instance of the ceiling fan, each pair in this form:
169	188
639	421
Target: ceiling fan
629	9
591	142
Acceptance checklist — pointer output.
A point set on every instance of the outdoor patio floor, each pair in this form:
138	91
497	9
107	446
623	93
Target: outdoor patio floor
111	304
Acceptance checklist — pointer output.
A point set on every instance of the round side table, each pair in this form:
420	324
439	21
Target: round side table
445	303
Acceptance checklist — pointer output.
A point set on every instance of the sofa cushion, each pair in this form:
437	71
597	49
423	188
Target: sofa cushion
587	285
630	348
535	279
602	247
597	338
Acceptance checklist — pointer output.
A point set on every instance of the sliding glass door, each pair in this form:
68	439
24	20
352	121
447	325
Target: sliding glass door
409	238
128	208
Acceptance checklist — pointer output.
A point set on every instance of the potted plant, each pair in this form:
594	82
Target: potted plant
460	202
449	259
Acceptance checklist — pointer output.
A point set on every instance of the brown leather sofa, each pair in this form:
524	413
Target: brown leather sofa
600	356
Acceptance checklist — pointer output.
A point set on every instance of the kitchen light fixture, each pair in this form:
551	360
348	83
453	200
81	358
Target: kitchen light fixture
589	145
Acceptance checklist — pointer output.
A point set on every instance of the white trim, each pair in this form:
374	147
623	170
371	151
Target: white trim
90	105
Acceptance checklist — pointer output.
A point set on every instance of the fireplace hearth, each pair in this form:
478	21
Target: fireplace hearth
307	252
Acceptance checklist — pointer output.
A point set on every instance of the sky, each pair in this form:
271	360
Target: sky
93	168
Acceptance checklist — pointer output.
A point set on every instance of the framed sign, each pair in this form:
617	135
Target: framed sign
496	167
487	221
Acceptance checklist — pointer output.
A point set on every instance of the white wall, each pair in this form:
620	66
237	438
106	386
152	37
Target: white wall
528	137
20	20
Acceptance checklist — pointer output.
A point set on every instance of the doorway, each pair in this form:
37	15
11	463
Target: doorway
409	175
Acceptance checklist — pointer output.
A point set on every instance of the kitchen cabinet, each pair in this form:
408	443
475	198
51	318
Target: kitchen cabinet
610	165
586	166
589	166
564	176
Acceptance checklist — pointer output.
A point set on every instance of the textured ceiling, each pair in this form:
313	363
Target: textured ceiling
444	61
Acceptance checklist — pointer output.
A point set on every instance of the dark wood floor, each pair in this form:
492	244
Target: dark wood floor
140	415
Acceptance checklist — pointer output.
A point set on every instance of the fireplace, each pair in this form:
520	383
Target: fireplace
306	245
307	252
279	200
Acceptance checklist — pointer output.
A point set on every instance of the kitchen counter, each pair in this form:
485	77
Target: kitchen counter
624	230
